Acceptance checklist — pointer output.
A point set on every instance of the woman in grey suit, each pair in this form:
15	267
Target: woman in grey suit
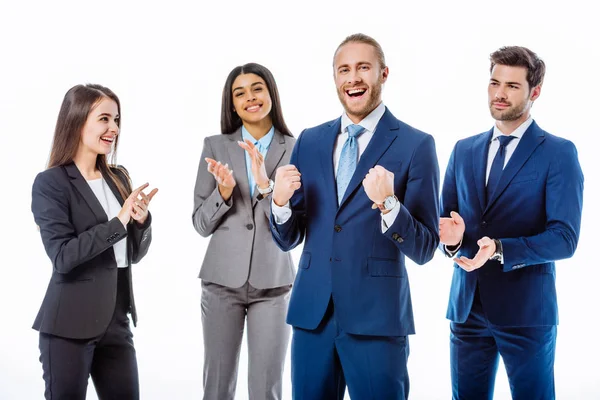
245	276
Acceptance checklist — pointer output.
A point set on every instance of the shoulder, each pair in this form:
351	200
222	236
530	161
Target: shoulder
219	139
52	176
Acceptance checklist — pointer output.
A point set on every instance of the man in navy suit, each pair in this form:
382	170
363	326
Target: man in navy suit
362	192
511	205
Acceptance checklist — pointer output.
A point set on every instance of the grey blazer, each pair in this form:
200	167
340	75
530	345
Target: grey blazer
241	247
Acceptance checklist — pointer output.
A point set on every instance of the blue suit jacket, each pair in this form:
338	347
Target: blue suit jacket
535	212
346	256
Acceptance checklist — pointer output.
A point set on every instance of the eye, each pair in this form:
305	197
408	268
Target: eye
117	121
104	119
364	67
343	70
238	94
258	89
513	86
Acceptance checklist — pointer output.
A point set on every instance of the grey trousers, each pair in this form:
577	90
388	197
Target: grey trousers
224	311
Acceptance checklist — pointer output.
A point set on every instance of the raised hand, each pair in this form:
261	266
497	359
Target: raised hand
223	175
452	229
378	184
136	205
257	162
287	181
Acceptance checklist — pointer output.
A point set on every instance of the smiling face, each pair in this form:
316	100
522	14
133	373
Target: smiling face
101	128
359	78
251	99
509	95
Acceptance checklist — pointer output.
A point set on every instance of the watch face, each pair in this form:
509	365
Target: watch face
389	202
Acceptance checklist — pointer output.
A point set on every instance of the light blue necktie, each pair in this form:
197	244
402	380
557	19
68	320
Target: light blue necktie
348	159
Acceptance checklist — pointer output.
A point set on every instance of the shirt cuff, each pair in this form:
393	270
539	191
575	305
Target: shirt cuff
388	219
281	214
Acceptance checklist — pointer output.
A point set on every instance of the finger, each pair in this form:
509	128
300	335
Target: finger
456	217
151	194
210	160
296	185
137	191
380	170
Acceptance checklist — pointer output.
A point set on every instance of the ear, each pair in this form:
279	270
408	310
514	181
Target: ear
384	74
535	93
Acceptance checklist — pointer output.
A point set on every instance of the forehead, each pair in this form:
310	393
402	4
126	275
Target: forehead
105	106
355	53
506	73
244	80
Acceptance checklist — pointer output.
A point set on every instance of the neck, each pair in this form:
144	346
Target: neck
259	129
508	127
356	118
85	161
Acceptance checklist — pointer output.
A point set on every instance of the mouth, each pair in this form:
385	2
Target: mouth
500	106
253	108
356	93
108	139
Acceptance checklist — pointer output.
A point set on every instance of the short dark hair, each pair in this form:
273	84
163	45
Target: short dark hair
230	121
362	38
517	56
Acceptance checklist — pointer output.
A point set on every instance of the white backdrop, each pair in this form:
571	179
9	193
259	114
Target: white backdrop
167	61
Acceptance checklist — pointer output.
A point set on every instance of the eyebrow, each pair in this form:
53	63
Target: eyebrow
254	84
508	83
108	115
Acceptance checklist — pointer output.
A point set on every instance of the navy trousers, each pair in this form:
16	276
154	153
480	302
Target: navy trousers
527	353
327	359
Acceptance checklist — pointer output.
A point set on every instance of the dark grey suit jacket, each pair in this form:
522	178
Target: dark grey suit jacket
241	248
77	235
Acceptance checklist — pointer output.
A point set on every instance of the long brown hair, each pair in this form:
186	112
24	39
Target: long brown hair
230	121
79	101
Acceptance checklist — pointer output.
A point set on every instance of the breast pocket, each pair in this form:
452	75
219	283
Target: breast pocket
304	261
528	177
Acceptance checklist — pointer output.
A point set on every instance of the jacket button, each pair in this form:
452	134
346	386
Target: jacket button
337	228
483	224
395	236
249	227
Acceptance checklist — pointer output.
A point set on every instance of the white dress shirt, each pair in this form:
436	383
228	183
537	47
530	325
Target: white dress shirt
111	207
283	213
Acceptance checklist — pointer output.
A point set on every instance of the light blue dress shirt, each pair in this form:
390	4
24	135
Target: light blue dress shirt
263	146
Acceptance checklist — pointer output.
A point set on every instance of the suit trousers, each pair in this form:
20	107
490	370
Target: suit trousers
527	353
224	312
109	358
326	359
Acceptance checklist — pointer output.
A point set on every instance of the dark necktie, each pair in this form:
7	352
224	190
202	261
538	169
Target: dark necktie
497	165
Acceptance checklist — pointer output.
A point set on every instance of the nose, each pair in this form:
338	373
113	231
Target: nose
354	77
113	127
500	95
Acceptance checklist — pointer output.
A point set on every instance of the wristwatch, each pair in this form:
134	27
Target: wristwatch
498	255
388	203
266	190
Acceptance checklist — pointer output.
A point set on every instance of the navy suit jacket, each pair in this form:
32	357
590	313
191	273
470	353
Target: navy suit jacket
346	256
78	238
535	212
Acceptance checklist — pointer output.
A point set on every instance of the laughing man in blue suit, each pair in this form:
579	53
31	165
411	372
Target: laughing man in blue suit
511	205
362	192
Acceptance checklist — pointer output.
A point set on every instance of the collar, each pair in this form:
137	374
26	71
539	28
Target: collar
264	141
369	122
518	133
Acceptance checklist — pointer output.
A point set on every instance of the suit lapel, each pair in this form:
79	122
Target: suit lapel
85	191
237	160
272	160
113	188
480	151
329	139
385	133
531	139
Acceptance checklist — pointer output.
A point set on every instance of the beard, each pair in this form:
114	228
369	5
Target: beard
371	103
512	113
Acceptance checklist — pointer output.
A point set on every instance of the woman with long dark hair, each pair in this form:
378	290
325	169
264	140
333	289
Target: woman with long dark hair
246	279
93	227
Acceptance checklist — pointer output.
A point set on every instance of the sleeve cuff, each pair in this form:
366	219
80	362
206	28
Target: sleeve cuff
281	214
